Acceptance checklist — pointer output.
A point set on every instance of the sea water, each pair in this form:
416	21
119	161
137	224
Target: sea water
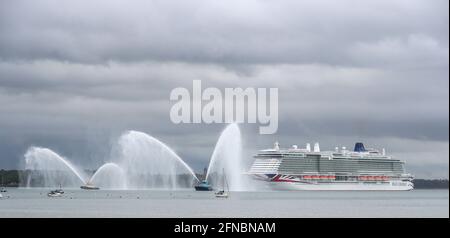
33	202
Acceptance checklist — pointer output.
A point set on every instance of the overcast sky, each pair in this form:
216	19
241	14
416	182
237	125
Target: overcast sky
75	74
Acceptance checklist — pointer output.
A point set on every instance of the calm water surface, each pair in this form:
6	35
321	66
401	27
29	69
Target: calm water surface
150	203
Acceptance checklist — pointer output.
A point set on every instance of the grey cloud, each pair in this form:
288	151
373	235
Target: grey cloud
203	31
74	76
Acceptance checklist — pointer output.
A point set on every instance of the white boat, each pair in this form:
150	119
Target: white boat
89	186
60	190
1	196
54	194
306	169
222	193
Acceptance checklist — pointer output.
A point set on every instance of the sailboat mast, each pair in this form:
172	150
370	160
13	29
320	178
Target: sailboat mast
228	189
223	179
224	182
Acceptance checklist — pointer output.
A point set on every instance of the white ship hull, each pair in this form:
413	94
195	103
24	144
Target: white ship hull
343	186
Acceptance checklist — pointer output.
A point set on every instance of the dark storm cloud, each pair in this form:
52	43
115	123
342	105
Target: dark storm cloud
75	75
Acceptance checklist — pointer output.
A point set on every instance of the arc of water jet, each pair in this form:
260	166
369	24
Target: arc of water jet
177	157
33	150
103	167
167	148
218	143
212	161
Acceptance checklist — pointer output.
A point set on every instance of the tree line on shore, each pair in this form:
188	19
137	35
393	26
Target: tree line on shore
12	178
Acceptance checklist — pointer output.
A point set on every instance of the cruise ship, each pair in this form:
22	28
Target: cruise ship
342	169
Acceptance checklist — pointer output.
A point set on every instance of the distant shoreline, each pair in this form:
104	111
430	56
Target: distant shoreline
11	178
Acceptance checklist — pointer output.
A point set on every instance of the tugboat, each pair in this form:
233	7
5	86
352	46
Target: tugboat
203	185
89	186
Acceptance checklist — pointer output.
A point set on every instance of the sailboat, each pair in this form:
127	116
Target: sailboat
60	190
222	193
2	189
56	193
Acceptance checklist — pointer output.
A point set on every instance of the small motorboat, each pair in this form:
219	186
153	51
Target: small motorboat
89	186
54	193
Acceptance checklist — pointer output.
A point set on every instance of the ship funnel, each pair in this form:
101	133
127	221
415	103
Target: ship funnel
383	151
308	147
359	147
316	147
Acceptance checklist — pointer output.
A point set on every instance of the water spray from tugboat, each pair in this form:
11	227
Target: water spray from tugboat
140	161
226	159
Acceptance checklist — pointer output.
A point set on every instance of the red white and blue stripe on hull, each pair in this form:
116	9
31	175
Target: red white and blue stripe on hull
292	182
